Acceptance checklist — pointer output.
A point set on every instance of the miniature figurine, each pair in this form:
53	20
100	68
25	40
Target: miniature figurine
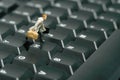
35	32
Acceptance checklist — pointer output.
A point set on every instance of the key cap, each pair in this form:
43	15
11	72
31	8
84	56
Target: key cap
5	30
80	2
111	16
16	20
31	60
82	48
51	22
51	48
58	13
92	35
106	27
29	12
34	48
16	41
68	5
8	6
6	57
85	16
114	7
2	13
74	25
50	73
96	9
66	62
24	29
15	72
40	4
7	54
59	36
105	61
5	47
104	3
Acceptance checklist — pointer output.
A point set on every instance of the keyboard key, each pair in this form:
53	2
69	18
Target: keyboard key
51	48
5	30
59	36
85	16
81	47
2	13
24	29
35	48
40	4
79	2
29	12
8	6
31	60
104	3
92	35
50	73
15	72
5	47
69	5
6	57
58	13
114	8
16	41
102	25
66	62
16	20
51	22
74	25
111	16
7	54
92	7
108	58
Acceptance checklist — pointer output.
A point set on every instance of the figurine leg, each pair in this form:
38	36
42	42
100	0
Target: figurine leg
27	43
40	39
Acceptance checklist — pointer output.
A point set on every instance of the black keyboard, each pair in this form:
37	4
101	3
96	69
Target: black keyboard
82	43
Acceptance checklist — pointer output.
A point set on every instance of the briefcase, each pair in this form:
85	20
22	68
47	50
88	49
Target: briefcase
32	34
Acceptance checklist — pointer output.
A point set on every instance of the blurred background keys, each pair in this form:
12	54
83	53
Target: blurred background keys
50	73
104	3
8	5
93	7
69	5
15	72
114	7
40	4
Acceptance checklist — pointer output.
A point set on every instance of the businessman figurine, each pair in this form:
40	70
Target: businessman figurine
37	30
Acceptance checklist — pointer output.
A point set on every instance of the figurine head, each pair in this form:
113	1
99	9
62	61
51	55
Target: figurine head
44	16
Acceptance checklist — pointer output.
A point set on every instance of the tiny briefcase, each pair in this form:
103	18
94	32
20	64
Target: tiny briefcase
32	34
